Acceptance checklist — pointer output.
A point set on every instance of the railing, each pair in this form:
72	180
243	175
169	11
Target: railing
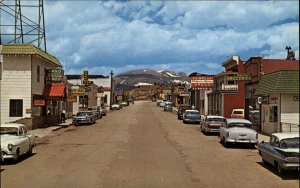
289	127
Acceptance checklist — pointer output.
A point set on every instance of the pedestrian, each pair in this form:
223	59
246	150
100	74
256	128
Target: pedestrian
63	116
48	112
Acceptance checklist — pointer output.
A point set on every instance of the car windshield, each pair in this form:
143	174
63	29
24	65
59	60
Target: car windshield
290	143
192	113
83	113
255	116
9	130
216	119
238	124
238	112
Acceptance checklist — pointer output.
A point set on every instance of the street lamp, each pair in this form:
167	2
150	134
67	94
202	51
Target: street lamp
111	88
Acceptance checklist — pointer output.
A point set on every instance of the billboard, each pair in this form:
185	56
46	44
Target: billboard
202	82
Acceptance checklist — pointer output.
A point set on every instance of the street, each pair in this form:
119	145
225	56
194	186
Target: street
140	146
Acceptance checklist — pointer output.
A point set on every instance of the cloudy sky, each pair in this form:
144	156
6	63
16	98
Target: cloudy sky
181	36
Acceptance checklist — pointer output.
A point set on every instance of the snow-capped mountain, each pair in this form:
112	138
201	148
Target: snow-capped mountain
134	78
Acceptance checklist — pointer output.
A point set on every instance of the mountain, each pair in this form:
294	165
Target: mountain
134	78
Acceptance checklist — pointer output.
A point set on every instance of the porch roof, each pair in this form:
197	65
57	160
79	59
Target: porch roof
279	82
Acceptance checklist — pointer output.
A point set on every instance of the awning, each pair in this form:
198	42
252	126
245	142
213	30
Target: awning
54	90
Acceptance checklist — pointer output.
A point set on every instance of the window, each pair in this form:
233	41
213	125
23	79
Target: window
38	73
273	114
15	108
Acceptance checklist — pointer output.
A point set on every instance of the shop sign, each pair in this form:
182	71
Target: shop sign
77	92
54	75
39	103
239	77
229	87
202	82
28	111
71	98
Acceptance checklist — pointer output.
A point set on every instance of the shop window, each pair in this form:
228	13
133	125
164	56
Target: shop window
15	108
38	73
105	99
273	114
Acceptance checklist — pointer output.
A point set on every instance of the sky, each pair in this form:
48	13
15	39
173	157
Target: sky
180	36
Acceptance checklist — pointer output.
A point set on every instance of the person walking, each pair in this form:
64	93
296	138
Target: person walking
63	116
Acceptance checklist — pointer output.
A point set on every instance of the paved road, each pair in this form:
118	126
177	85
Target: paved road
140	146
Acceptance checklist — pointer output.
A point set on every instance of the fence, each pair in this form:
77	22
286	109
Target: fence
289	127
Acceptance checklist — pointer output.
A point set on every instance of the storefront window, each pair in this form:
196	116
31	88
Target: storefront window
273	114
15	108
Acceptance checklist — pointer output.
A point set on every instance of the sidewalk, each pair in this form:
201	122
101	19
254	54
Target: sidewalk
42	132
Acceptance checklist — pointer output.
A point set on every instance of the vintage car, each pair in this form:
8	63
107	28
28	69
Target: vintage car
84	117
212	123
238	131
103	110
124	103
282	151
15	141
181	109
96	111
191	116
168	107
238	113
115	106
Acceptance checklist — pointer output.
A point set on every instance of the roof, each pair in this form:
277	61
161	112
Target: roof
192	111
28	49
15	125
281	136
77	76
279	82
236	120
213	116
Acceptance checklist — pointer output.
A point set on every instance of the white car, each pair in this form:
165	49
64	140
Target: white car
238	131
15	141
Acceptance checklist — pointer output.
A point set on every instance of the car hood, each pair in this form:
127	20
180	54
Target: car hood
8	139
289	150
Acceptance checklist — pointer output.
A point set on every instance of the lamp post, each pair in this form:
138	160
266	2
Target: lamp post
111	88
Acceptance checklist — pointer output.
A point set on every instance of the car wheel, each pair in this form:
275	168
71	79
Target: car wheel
280	170
30	151
17	156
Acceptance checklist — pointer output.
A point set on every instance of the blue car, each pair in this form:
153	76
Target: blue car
191	116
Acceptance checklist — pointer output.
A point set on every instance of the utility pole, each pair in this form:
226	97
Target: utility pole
111	88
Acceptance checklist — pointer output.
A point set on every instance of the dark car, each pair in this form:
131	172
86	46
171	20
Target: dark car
168	107
182	109
191	116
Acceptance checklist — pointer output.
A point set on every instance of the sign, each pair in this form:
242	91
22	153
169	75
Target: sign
78	92
239	77
28	110
202	82
54	75
39	103
71	98
229	87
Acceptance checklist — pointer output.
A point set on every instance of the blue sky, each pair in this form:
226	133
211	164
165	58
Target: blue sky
181	36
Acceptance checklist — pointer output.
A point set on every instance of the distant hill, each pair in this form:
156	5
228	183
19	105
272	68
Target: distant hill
134	78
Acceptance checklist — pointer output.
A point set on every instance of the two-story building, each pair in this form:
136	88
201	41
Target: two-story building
31	86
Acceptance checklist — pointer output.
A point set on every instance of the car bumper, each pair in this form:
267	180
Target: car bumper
246	141
81	121
291	166
191	120
213	130
7	155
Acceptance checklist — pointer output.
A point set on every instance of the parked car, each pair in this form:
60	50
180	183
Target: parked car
96	110
238	131
282	151
158	102
238	113
124	103
103	110
15	141
212	123
130	100
84	117
181	109
191	116
116	106
162	103
168	107
254	117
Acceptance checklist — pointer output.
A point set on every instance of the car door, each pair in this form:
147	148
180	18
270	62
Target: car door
269	149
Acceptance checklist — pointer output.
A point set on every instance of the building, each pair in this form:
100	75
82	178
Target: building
228	92
279	98
201	85
31	86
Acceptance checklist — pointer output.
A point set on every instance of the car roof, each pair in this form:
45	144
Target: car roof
213	116
191	111
237	120
16	125
281	136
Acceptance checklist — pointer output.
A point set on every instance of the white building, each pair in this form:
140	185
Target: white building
24	94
